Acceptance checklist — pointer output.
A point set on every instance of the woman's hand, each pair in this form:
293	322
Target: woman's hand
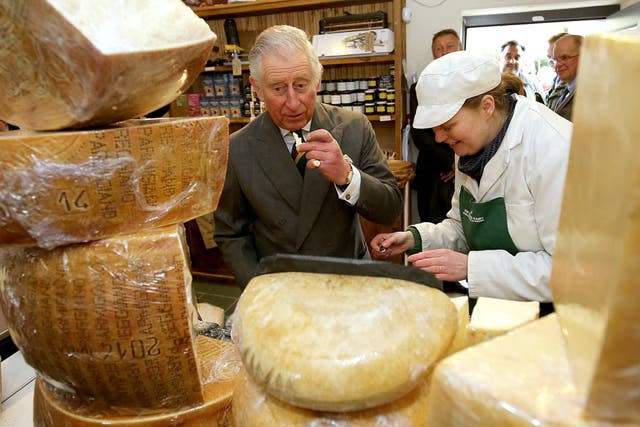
386	245
444	264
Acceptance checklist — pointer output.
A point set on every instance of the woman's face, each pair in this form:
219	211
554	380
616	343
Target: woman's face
470	130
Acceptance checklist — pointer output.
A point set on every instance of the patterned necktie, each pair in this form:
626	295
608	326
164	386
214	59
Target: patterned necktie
300	159
553	99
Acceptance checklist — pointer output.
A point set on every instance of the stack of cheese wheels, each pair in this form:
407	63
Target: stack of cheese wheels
110	321
94	263
321	344
73	63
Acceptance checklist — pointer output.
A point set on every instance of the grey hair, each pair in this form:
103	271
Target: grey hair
281	40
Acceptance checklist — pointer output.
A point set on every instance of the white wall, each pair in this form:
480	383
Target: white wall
448	14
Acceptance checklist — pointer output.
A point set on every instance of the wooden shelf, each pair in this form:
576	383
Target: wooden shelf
267	7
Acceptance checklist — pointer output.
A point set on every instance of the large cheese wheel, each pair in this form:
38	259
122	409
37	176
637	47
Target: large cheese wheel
75	186
492	317
109	320
253	407
76	63
53	408
520	379
596	266
340	343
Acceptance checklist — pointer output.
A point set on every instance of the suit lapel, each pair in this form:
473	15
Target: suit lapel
271	154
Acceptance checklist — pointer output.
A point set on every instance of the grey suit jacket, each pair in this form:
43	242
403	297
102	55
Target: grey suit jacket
565	108
266	206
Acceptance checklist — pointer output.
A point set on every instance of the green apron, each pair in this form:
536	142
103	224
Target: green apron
485	224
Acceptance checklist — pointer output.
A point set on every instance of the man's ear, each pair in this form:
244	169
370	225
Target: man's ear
256	87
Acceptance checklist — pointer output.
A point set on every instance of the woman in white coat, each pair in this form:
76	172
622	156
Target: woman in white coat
511	161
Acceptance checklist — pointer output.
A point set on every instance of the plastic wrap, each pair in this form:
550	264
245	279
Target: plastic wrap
596	264
253	407
73	63
522	378
75	186
340	343
219	364
112	322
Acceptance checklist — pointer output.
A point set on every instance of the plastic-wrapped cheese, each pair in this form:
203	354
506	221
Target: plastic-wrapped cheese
492	317
520	379
53	408
596	264
340	343
110	320
77	63
75	186
253	407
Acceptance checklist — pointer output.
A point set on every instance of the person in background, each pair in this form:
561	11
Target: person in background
511	157
511	58
434	166
269	205
566	57
557	87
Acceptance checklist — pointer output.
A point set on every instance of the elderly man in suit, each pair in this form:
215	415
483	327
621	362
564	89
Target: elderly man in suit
268	204
566	56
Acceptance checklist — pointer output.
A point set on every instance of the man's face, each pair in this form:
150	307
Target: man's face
510	59
565	56
445	44
288	89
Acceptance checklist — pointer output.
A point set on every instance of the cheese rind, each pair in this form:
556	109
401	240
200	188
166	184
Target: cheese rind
53	408
108	320
253	407
72	64
76	186
340	343
596	265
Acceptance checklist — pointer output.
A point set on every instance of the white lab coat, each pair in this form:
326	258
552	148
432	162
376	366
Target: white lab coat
528	170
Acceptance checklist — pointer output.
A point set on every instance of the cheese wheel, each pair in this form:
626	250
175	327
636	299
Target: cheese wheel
340	343
53	408
492	317
77	186
253	407
109	320
522	378
72	63
596	265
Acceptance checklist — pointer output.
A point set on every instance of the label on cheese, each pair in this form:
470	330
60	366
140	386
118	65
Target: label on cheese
109	320
77	186
596	265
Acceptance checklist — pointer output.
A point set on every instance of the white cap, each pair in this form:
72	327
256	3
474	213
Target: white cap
447	82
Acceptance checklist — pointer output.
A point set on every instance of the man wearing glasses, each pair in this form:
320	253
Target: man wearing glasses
566	55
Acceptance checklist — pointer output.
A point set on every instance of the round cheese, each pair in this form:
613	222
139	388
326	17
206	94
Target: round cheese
53	408
109	320
253	407
72	63
340	343
76	186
